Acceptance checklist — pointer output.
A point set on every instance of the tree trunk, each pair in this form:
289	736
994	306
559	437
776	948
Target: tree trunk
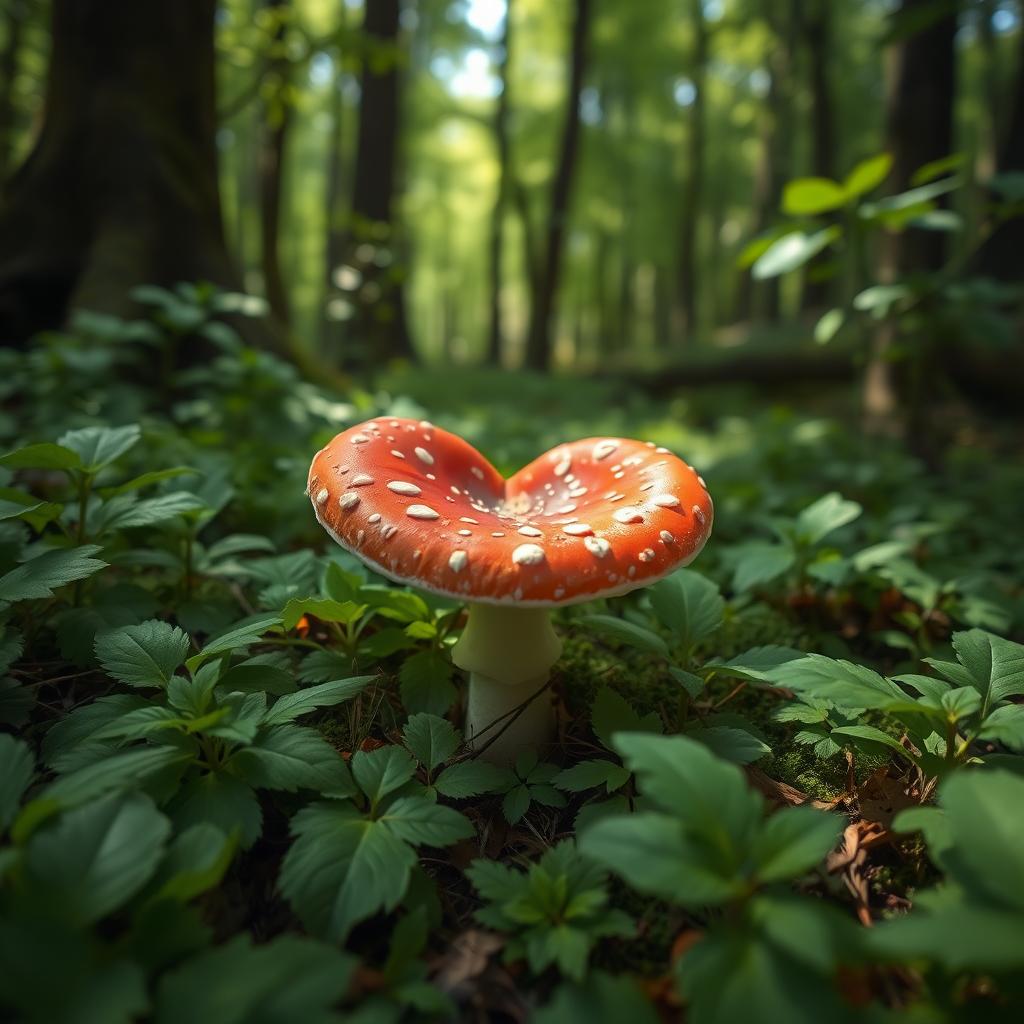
761	299
17	12
539	340
121	187
276	120
1003	254
919	129
816	24
379	323
334	242
693	187
495	339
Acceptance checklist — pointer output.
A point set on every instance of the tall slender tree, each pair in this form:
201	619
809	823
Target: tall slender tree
379	326
121	186
539	340
693	185
495	338
816	19
334	203
14	28
275	126
919	129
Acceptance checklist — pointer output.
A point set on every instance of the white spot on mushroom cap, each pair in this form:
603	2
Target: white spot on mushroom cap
359	439
603	449
563	467
477	472
404	487
387	532
530	531
528	554
497	533
375	518
628	515
422	512
458	561
665	500
468	519
646	555
361	480
698	513
397	454
666	537
597	546
322	495
577	529
465	533
423	455
702	482
349	500
565	509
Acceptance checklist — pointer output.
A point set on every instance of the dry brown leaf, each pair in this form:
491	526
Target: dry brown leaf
465	959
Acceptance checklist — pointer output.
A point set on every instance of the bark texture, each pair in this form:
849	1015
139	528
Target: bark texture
121	187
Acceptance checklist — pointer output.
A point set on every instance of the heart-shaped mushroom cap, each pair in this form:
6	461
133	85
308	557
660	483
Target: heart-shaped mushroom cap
589	519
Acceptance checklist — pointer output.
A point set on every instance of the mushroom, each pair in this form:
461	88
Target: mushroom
589	519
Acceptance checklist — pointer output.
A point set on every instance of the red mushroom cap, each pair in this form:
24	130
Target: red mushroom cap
589	519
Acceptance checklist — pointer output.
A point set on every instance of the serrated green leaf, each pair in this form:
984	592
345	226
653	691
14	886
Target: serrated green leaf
431	739
234	639
611	713
40	576
97	447
471	778
17	766
625	632
143	655
590	775
95	857
426	681
689	604
291	757
41	456
219	799
293	705
382	771
792	841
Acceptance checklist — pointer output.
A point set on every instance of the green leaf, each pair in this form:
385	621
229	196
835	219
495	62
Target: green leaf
732	744
1005	725
792	251
293	705
600	999
17	765
810	196
692	684
40	576
255	677
653	853
289	979
431	740
426	681
689	604
322	608
238	637
154	476
987	834
97	447
127	511
418	820
516	803
342	868
221	800
827	514
291	757
761	562
126	770
196	862
143	655
382	771
471	778
760	663
95	857
41	456
870	734
590	775
625	632
867	175
792	841
685	778
996	665
829	325
612	713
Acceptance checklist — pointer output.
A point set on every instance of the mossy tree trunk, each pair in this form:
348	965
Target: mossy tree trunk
121	186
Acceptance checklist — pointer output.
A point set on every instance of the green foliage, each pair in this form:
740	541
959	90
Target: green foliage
553	913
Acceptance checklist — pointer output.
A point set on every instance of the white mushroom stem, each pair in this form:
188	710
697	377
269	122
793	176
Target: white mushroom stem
508	653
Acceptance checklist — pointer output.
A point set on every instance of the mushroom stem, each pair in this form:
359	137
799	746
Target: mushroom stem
508	653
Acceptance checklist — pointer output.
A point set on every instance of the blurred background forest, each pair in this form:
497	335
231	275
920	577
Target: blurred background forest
584	184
